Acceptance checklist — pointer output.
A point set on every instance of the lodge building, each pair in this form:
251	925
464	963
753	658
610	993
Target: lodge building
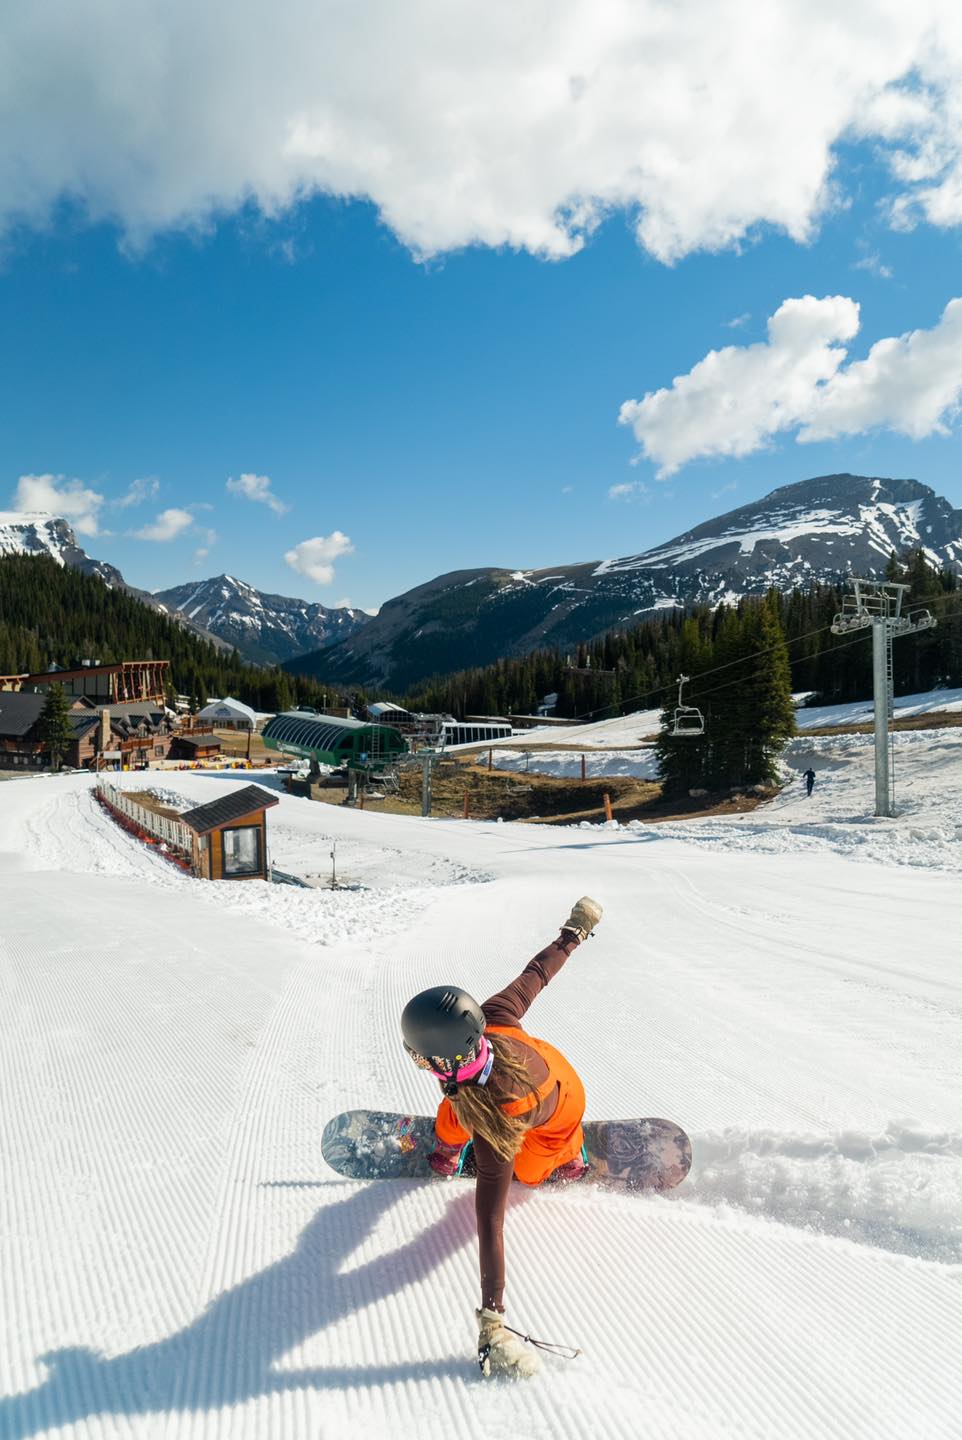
125	682
123	736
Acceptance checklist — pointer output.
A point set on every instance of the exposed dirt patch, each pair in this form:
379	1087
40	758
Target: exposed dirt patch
462	786
233	744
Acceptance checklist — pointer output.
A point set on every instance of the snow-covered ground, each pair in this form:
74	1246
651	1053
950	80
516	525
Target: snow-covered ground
643	725
602	757
623	731
925	833
860	712
178	1261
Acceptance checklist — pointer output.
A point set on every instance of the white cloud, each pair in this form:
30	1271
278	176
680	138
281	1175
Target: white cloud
258	488
736	399
629	490
54	494
910	383
200	554
739	321
168	525
138	491
874	264
314	558
497	124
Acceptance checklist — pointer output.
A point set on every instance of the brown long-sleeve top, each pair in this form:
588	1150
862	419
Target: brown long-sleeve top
509	1007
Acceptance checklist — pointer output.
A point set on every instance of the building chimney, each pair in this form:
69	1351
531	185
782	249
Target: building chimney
105	729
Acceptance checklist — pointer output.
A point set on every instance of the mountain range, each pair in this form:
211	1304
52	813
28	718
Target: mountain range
265	629
816	530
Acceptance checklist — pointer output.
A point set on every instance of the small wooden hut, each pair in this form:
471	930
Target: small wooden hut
230	835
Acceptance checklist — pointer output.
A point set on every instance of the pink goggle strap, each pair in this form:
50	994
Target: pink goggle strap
473	1068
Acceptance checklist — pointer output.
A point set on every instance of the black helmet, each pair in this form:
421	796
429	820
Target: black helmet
443	1025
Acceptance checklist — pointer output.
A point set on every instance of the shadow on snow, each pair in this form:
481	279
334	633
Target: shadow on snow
227	1355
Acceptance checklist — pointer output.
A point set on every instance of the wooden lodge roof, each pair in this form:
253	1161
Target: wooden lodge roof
207	741
19	713
204	818
57	673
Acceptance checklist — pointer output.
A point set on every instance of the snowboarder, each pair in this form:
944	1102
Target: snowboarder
809	778
516	1099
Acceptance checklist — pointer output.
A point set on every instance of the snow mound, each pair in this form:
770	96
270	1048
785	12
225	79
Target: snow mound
898	1189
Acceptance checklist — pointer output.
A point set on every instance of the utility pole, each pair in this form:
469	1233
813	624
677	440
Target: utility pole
879	604
426	757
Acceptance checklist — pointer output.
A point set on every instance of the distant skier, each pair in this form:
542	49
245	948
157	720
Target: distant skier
809	778
516	1097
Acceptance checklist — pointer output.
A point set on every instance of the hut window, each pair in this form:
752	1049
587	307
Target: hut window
242	850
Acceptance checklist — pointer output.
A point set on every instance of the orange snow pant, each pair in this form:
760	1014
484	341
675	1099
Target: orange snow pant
546	1146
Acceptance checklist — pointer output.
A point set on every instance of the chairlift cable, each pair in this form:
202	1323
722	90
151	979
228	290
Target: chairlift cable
664	689
742	679
716	669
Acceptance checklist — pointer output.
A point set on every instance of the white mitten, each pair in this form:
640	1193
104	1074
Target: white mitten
500	1352
584	917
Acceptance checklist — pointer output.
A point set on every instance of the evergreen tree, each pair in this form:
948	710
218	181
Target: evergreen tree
766	696
893	569
56	731
746	704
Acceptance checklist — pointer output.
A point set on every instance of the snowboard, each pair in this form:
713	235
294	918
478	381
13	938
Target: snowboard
645	1154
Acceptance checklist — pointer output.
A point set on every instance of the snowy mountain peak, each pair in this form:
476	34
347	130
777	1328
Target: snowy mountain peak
816	529
24	532
265	628
34	533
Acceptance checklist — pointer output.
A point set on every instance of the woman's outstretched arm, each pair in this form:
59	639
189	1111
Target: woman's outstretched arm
510	1005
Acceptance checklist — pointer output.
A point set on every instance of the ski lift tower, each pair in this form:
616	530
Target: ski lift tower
879	604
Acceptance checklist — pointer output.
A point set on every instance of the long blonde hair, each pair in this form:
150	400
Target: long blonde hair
478	1107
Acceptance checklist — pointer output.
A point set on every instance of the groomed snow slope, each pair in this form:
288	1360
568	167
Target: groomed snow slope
178	1261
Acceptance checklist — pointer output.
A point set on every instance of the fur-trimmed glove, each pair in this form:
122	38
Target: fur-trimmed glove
500	1352
583	918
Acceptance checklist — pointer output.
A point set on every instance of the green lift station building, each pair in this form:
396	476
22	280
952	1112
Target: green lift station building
331	740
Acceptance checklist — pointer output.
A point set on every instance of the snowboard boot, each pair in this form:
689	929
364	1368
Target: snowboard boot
575	1169
450	1160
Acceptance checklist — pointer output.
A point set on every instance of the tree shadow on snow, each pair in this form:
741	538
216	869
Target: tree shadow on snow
227	1355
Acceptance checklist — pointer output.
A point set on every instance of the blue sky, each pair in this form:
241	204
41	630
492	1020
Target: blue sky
461	409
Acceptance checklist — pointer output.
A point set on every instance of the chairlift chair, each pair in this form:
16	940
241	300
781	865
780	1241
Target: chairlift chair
688	719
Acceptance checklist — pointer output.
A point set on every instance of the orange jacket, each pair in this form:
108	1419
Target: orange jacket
550	1144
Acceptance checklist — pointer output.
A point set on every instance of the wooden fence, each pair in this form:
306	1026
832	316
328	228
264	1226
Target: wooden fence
125	807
